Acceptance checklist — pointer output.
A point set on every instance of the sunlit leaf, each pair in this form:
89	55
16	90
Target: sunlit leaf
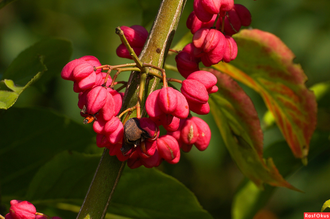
45	56
265	64
239	126
326	205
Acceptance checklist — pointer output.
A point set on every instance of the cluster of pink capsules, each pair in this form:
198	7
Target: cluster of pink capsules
139	140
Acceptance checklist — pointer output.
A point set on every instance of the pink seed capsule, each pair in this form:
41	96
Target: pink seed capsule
206	78
153	161
117	136
199	108
98	125
170	122
111	125
67	71
194	24
216	55
194	91
147	149
231	51
226	5
204	132
150	127
82	99
21	209
136	35
152	106
201	12
189	132
212	6
96	99
211	40
134	161
167	100
91	60
100	79
168	148
82	71
123	52
88	82
118	100
108	110
213	89
232	23
182	109
186	63
102	141
199	37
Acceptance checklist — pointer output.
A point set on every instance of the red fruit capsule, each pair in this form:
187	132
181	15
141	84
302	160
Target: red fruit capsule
167	100
95	99
206	78
204	132
152	106
194	91
189	132
201	12
168	148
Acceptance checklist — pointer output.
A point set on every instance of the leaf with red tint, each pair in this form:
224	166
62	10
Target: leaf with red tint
239	126
265	64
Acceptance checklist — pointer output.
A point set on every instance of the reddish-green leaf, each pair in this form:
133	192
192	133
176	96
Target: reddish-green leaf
265	64
239	126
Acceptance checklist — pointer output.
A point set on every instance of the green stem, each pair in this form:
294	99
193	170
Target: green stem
109	170
104	182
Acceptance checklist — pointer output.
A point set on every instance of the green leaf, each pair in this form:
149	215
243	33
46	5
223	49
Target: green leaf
45	56
325	205
249	200
239	126
66	176
265	64
29	138
8	98
149	10
149	193
141	193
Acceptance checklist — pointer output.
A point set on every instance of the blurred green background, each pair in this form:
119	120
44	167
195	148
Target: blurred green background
303	25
